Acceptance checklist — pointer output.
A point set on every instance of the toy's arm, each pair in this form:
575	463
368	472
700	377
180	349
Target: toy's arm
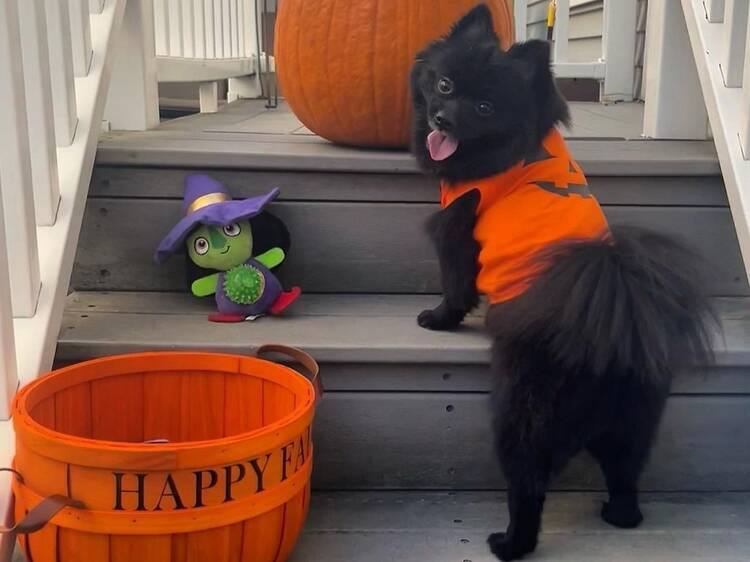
272	257
205	285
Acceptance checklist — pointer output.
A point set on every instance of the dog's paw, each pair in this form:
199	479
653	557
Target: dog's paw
434	320
625	516
505	549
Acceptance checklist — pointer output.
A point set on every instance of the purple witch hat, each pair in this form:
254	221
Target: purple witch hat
206	201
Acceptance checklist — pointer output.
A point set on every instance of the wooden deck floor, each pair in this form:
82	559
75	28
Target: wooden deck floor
590	120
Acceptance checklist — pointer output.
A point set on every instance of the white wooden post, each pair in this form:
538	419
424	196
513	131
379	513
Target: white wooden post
61	71
521	17
562	24
15	170
674	101
248	87
745	105
41	127
80	28
714	10
96	6
733	55
133	99
8	367
618	49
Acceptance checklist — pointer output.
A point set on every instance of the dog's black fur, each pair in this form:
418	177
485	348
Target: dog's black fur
584	358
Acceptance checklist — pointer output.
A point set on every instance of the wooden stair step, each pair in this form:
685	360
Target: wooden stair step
357	246
206	149
336	328
453	527
408	408
412	526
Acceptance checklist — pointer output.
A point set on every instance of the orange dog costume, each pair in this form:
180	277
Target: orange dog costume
523	211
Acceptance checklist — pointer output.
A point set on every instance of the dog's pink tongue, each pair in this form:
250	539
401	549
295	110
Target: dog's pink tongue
441	146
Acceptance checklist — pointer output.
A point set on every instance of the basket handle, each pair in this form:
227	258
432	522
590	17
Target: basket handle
301	357
41	514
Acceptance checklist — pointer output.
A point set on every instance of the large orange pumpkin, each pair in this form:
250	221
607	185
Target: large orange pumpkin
343	65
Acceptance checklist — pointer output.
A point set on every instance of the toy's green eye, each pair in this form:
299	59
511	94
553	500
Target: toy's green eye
201	246
232	230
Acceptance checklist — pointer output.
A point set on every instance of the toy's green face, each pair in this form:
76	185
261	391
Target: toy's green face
221	248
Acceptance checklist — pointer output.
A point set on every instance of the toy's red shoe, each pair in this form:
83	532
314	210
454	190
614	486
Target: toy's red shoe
285	300
226	318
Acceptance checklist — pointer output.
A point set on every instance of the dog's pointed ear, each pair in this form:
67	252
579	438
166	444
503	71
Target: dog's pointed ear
535	56
475	26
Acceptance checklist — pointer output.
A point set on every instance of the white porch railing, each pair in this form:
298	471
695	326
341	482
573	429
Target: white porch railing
55	61
185	41
616	67
698	75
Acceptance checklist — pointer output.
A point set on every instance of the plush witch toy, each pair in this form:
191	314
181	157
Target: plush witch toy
227	259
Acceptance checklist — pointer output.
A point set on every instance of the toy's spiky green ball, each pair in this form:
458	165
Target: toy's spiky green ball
244	284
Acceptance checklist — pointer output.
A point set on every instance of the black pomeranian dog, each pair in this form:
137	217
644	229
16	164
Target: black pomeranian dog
588	323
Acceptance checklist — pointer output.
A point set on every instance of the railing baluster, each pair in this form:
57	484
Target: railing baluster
61	71
175	28
562	22
618	49
80	29
15	170
161	27
8	366
234	28
210	25
33	32
733	56
226	24
199	29
188	38
218	25
249	27
714	10
521	16
241	23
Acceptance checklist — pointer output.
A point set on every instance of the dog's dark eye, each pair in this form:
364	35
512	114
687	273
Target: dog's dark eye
485	108
445	86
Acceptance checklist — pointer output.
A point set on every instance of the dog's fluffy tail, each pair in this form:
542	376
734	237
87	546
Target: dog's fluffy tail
631	305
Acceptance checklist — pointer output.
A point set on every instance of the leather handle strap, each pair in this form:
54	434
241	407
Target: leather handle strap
301	357
40	514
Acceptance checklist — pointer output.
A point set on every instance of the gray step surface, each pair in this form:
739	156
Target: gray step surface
246	135
453	527
379	367
439	527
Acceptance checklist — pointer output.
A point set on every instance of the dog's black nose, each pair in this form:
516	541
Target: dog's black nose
441	120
